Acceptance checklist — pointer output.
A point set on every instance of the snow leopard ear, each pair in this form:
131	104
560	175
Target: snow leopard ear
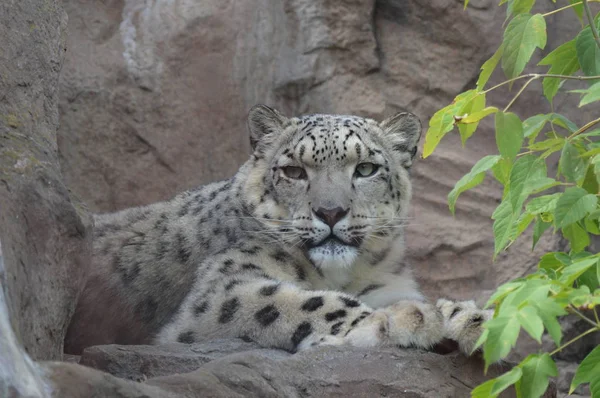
264	124
403	131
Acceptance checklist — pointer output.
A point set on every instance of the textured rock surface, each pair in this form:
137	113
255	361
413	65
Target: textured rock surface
144	361
43	233
148	87
332	371
154	95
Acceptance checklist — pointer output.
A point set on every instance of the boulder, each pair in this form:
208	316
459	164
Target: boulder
231	368
44	233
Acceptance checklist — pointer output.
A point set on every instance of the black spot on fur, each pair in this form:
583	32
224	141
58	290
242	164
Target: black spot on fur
186	337
332	316
335	328
369	288
349	302
313	304
200	308
228	310
227	266
455	311
280	256
232	284
302	331
362	316
183	251
300	272
250	266
251	250
400	147
267	315
268	290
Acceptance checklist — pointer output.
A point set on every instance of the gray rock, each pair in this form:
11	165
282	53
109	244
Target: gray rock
144	361
328	371
44	234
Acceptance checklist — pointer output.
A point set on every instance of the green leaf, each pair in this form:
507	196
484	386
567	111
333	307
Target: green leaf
531	322
588	372
543	204
588	52
578	237
504	218
563	61
493	387
488	68
539	227
549	310
575	270
520	226
442	122
537	369
573	205
578	9
502	291
522	35
524	175
472	179
477	116
590	278
590	181
509	134
562	121
502	170
591	133
466	130
518	7
571	164
533	125
591	94
530	292
553	144
503	333
550	262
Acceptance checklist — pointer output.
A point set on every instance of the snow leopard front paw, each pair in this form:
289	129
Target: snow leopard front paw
414	324
463	322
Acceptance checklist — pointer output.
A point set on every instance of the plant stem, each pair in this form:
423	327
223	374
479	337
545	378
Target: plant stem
537	76
590	18
585	318
512	101
574	339
596	316
567	7
584	128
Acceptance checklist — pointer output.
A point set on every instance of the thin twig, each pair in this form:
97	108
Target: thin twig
539	75
512	101
585	128
590	18
567	7
574	340
585	318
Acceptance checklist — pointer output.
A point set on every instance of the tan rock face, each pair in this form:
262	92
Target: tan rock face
154	97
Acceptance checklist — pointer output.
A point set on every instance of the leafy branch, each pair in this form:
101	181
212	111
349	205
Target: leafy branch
564	282
590	18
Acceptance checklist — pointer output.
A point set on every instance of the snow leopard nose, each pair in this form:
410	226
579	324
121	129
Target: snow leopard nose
330	216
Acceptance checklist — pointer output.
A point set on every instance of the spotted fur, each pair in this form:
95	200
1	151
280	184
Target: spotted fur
302	247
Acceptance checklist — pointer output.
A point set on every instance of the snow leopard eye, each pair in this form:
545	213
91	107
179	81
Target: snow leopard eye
295	173
366	169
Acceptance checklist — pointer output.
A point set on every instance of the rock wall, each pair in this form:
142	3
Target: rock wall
154	97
